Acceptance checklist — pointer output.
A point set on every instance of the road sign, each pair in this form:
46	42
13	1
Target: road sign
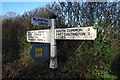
40	51
81	33
42	36
41	21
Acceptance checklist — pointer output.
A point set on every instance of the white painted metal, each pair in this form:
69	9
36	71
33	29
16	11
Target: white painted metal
53	48
79	33
49	36
41	21
42	36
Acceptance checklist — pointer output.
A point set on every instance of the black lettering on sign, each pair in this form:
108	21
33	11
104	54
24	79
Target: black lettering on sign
88	33
57	30
40	31
39	39
62	30
42	23
36	36
57	37
74	34
45	20
80	30
29	32
81	34
30	36
74	30
59	34
39	20
64	34
88	29
68	30
62	37
33	18
32	39
68	34
36	19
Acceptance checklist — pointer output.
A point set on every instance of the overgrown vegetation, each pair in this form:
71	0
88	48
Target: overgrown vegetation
78	59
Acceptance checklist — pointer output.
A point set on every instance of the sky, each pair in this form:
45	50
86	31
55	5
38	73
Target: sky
20	7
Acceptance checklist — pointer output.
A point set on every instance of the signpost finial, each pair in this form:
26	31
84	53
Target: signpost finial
52	16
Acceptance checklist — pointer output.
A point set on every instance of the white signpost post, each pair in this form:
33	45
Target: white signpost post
50	36
53	48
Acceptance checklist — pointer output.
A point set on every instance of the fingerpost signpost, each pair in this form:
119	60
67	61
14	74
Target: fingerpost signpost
51	35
